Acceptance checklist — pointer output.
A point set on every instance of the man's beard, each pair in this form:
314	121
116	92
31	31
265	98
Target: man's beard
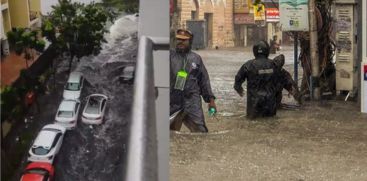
183	50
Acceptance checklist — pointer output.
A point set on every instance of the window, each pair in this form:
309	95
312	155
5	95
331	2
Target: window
72	86
76	108
103	104
65	114
57	137
40	171
40	150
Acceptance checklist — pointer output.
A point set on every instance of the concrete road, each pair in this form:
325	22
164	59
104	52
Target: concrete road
319	141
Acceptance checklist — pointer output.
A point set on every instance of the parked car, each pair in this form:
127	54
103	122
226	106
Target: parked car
47	144
73	86
95	108
38	171
67	114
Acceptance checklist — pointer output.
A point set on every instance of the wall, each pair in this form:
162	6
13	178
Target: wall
19	13
222	10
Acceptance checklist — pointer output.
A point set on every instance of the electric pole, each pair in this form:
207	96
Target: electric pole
315	85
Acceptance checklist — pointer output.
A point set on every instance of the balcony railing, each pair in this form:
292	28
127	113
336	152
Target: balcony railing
142	161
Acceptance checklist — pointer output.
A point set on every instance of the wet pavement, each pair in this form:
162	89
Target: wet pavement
319	141
96	153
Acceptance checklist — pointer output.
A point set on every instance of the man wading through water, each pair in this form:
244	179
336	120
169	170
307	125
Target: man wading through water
261	75
189	81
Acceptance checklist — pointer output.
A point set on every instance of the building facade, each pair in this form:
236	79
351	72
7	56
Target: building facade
5	26
215	15
248	31
18	14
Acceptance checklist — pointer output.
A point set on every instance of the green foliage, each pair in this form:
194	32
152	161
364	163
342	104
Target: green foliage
77	28
129	6
23	40
9	100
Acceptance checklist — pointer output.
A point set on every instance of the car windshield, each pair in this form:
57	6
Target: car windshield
72	86
65	114
40	150
93	106
39	171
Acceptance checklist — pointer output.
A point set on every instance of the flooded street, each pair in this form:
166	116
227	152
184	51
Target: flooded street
92	153
319	141
98	152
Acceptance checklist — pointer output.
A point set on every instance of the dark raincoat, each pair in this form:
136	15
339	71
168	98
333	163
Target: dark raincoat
284	81
261	75
197	86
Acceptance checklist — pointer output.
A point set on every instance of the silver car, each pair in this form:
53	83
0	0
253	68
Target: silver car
95	108
73	86
67	114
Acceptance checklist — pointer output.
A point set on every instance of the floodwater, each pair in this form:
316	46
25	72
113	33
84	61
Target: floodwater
324	140
98	152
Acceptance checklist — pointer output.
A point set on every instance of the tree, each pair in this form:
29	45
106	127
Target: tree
76	28
25	41
129	6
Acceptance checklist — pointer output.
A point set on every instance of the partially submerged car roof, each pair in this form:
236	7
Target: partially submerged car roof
67	105
45	139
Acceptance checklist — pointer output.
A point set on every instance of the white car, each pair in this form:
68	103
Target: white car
94	109
67	114
47	144
73	86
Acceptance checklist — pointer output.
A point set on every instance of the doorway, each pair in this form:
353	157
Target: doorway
209	30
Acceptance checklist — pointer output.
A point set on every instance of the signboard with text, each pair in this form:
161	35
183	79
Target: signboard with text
294	15
259	12
272	15
243	18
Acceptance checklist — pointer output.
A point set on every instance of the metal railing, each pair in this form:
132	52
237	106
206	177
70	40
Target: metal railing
142	161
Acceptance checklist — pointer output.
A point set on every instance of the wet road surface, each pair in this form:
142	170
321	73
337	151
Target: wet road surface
98	152
319	141
95	153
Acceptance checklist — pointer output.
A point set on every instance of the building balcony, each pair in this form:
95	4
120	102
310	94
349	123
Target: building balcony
33	15
4	6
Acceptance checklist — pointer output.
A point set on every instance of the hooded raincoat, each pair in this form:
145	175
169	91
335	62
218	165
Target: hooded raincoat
261	75
197	86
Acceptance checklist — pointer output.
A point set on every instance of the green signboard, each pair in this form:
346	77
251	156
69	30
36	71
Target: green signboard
294	15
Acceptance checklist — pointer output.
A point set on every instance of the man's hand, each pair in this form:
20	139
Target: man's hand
212	104
240	93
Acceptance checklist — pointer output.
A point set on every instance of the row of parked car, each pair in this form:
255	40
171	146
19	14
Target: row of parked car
49	140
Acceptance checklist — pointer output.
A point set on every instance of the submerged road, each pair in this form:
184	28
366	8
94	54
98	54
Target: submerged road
319	141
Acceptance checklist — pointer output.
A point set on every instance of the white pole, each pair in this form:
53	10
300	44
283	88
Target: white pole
364	58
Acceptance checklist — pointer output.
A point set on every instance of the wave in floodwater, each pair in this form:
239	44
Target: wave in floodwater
97	152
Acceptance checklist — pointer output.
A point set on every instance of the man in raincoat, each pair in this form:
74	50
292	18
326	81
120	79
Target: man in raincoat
189	82
261	75
285	81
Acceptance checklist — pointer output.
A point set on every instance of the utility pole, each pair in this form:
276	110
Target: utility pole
315	85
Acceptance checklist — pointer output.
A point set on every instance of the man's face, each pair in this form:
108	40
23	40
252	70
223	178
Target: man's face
182	44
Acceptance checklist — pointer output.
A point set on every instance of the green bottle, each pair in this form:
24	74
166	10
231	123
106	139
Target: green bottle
212	111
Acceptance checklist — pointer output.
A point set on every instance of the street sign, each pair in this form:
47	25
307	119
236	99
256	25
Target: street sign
259	12
294	15
243	19
272	15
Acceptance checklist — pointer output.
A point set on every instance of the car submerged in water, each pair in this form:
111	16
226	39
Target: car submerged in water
95	109
67	114
47	144
73	86
38	171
